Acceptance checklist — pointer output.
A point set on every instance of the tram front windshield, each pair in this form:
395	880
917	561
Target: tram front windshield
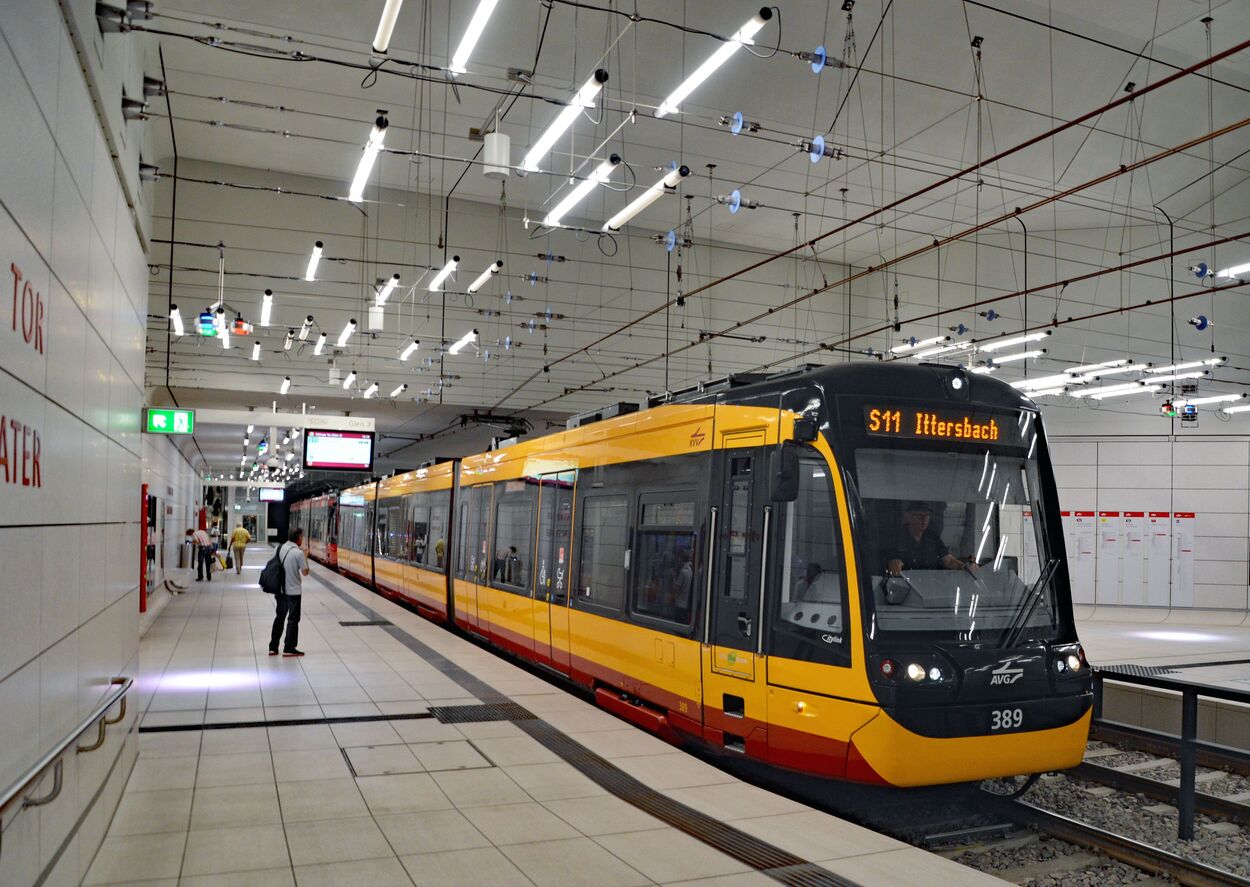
955	547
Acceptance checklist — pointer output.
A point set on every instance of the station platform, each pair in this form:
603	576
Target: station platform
398	753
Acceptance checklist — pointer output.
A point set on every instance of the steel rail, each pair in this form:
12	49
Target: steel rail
1206	754
1127	850
1211	805
810	244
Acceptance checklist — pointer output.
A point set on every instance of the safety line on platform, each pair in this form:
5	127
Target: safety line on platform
765	858
285	722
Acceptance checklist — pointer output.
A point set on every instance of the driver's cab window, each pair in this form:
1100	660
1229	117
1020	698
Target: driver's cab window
810	617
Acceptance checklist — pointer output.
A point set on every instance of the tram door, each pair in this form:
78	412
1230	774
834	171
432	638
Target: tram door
553	567
734	680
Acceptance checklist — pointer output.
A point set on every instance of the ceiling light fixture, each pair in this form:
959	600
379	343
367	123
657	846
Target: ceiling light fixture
307	325
443	274
1048	381
996	344
175	318
311	272
1231	410
256	350
584	187
1176	377
1137	389
1022	355
485	276
290	339
1047	392
225	338
266	307
1190	365
399	389
1112	371
477	24
467	338
1235	271
1091	392
371	390
350	380
321	343
666	185
1214	398
347	332
913	344
357	191
385	292
285	386
386	25
741	37
584	98
1094	367
409	349
250	429
940	350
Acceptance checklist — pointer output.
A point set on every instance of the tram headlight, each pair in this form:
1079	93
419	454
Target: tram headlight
935	673
1074	662
916	671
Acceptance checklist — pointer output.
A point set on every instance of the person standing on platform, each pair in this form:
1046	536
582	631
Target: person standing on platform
238	541
203	556
287	602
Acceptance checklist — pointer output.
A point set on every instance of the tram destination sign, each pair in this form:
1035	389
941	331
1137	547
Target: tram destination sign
945	424
160	421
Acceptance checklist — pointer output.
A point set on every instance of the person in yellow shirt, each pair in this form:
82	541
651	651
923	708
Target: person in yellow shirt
238	541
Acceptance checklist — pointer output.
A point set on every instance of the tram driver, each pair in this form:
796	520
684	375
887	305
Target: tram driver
918	547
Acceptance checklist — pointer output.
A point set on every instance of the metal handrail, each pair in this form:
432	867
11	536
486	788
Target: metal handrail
1187	742
54	757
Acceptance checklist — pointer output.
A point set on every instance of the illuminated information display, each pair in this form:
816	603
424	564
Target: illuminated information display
338	450
924	423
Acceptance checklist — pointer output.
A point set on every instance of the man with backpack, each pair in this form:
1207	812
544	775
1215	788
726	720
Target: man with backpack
293	567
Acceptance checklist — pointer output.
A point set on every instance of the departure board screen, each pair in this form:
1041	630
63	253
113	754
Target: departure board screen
338	450
967	425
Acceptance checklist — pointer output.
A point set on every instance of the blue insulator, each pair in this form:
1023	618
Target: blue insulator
735	124
818	60
735	201
817	150
670	240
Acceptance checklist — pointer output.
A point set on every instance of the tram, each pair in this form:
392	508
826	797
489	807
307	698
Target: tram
852	571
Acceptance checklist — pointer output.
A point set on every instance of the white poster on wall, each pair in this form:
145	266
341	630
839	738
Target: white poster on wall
1158	558
1084	556
1183	558
1107	583
1133	559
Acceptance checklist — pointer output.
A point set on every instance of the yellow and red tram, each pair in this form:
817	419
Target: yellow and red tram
854	571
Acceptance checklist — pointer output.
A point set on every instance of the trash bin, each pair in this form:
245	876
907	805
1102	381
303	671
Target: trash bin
184	555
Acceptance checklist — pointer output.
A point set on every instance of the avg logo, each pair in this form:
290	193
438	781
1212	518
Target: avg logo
697	438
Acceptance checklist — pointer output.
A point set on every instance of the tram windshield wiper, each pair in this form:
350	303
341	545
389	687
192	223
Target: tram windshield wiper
1024	612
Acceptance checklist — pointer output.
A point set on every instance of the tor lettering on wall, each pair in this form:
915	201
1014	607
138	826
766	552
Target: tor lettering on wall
28	311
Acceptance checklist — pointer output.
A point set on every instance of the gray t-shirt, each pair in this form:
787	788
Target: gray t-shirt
294	563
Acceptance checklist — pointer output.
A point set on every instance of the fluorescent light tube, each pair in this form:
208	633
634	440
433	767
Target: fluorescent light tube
1137	389
408	351
250	429
1023	355
1235	271
256	350
357	191
1177	377
921	343
311	272
307	325
996	344
350	380
290	456
347	332
321	343
371	390
443	274
470	336
485	276
225	338
175	318
665	185
471	34
585	98
584	187
1047	381
1094	367
386	25
1047	392
1091	392
386	290
266	307
1214	398
286	385
1193	364
1231	410
399	389
290	339
740	38
941	349
1112	371
985	370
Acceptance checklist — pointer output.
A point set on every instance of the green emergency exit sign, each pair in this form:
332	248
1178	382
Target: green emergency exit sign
169	421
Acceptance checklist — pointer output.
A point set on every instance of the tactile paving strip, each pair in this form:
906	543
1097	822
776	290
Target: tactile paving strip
1140	671
366	622
476	714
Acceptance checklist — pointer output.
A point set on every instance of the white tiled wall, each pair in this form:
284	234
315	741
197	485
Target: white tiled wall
70	543
175	484
1210	477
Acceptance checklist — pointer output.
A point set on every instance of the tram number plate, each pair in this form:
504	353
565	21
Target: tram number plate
1006	719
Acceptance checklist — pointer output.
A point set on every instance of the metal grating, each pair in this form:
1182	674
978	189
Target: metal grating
475	714
1140	671
363	622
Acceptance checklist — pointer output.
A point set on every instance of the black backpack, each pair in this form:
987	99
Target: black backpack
273	577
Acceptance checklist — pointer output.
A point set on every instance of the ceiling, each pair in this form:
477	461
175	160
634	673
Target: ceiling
281	94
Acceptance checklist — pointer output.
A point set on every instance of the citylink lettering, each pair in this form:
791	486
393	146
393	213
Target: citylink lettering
930	425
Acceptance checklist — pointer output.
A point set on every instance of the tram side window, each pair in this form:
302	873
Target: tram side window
419	521
604	547
514	532
475	515
393	529
436	549
810	615
664	578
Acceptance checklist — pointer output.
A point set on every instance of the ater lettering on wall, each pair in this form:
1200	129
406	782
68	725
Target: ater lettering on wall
20	448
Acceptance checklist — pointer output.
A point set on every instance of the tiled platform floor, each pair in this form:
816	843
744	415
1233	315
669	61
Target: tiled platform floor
413	801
